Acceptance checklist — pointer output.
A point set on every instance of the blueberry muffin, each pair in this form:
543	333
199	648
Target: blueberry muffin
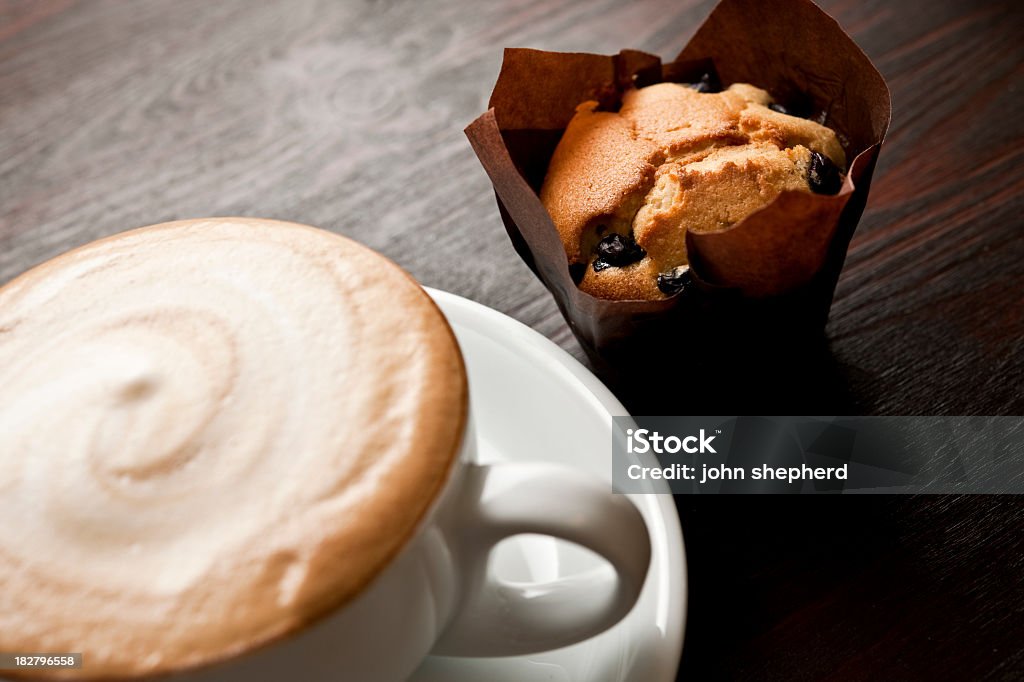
624	187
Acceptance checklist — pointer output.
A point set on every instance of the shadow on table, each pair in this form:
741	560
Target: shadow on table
829	587
736	376
873	587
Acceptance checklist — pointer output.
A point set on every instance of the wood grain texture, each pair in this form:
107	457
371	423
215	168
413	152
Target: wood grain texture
349	115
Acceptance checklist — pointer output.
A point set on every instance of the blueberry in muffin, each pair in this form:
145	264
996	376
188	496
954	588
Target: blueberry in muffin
624	187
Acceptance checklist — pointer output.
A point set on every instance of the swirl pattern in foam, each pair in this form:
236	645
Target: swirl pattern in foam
211	433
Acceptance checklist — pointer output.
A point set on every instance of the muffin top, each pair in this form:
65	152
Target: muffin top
623	187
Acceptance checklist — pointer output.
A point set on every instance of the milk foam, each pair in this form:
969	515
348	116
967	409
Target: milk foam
210	432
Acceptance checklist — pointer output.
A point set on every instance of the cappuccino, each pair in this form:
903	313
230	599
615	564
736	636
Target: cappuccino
212	432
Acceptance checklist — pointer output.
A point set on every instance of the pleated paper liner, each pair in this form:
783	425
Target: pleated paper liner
769	278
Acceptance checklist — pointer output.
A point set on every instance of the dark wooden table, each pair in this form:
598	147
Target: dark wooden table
349	115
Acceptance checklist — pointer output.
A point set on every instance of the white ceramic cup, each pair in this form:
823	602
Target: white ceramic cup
438	595
437	592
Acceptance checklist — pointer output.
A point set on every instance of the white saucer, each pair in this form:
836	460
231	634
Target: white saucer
532	400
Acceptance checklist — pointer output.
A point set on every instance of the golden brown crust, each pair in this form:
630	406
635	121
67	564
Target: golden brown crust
672	159
593	173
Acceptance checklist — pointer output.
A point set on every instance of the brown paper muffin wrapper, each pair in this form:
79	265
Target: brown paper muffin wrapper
772	274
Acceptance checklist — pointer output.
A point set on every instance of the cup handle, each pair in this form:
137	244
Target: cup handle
499	618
